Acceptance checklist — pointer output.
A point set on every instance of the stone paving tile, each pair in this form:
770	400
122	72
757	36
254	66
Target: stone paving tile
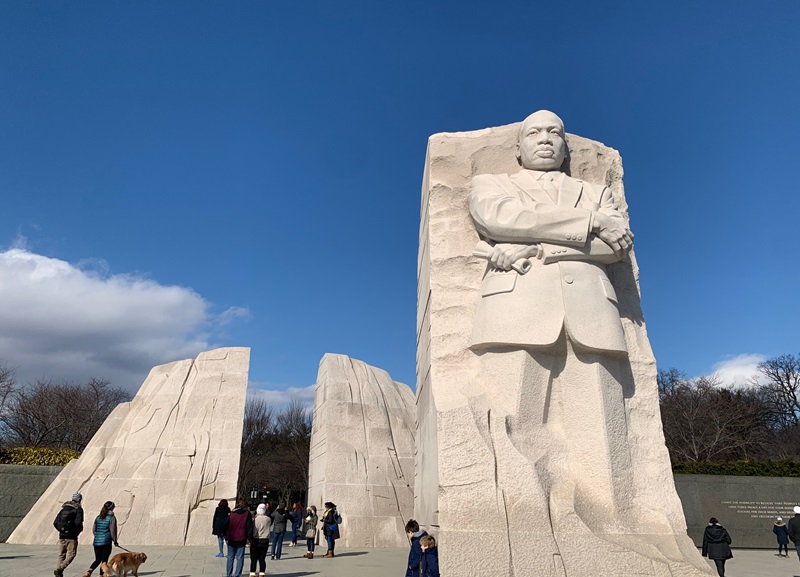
39	561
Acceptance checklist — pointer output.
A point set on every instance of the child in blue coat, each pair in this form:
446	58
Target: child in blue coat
430	556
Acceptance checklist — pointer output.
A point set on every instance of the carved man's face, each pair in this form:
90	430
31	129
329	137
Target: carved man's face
541	143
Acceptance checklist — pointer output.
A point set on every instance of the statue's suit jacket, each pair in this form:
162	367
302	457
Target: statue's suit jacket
568	288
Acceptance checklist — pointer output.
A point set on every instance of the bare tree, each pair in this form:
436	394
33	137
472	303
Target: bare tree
781	389
257	433
275	447
706	421
8	386
60	414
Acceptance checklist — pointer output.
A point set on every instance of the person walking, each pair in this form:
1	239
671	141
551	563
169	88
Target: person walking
220	514
279	519
237	528
69	523
716	545
297	522
262	524
794	530
414	535
310	530
104	530
782	534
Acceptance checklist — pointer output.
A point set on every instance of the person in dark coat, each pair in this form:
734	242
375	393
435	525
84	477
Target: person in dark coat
279	519
330	527
238	529
794	530
782	534
716	545
69	524
220	515
415	554
430	556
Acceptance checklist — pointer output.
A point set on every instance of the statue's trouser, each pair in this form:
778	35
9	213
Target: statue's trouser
556	425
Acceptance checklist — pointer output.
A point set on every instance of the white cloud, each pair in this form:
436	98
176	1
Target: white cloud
65	321
738	370
282	397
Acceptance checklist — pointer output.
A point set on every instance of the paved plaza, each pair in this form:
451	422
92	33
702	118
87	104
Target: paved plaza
39	560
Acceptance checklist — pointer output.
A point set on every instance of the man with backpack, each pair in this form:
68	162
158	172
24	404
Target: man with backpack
69	523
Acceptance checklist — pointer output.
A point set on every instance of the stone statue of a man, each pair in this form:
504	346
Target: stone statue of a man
553	352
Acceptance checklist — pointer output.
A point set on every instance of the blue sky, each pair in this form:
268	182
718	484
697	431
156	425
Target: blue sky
179	175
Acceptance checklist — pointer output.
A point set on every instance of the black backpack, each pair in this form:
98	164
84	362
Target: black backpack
65	520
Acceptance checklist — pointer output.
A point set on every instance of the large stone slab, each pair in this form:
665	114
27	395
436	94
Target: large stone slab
166	458
746	506
362	451
20	488
574	498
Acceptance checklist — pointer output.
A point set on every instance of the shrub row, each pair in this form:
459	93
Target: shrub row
37	456
783	468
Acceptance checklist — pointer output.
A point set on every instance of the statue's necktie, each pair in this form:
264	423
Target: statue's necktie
550	186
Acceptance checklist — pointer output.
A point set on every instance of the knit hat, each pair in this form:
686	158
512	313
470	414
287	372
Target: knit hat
261	509
779	519
797	510
77	498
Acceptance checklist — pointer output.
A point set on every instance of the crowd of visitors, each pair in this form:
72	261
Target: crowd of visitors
266	531
268	526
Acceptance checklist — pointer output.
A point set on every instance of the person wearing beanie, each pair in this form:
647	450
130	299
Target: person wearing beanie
69	524
262	525
311	521
794	530
782	534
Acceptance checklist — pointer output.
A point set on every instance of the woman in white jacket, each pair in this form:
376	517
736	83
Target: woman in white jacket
262	525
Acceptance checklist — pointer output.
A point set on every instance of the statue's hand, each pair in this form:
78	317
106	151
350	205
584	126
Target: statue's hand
504	255
611	232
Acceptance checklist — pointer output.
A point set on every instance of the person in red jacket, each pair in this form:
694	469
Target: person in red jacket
238	528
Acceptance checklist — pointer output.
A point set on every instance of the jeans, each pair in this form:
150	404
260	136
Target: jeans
331	543
67	548
295	529
220	542
277	544
310	545
238	552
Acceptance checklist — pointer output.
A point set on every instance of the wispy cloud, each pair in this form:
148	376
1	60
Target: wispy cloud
77	321
280	397
738	370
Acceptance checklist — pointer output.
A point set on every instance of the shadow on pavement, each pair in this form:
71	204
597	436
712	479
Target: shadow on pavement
301	574
16	557
353	554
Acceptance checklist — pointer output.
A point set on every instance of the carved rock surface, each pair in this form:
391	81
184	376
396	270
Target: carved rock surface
165	459
483	500
362	451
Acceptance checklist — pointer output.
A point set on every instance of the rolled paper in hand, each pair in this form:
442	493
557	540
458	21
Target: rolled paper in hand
484	250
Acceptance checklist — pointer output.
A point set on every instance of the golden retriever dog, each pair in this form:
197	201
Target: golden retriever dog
121	563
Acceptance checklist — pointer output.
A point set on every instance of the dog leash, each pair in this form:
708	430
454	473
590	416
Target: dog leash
124	549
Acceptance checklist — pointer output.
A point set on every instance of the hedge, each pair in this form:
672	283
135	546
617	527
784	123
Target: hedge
37	456
783	468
